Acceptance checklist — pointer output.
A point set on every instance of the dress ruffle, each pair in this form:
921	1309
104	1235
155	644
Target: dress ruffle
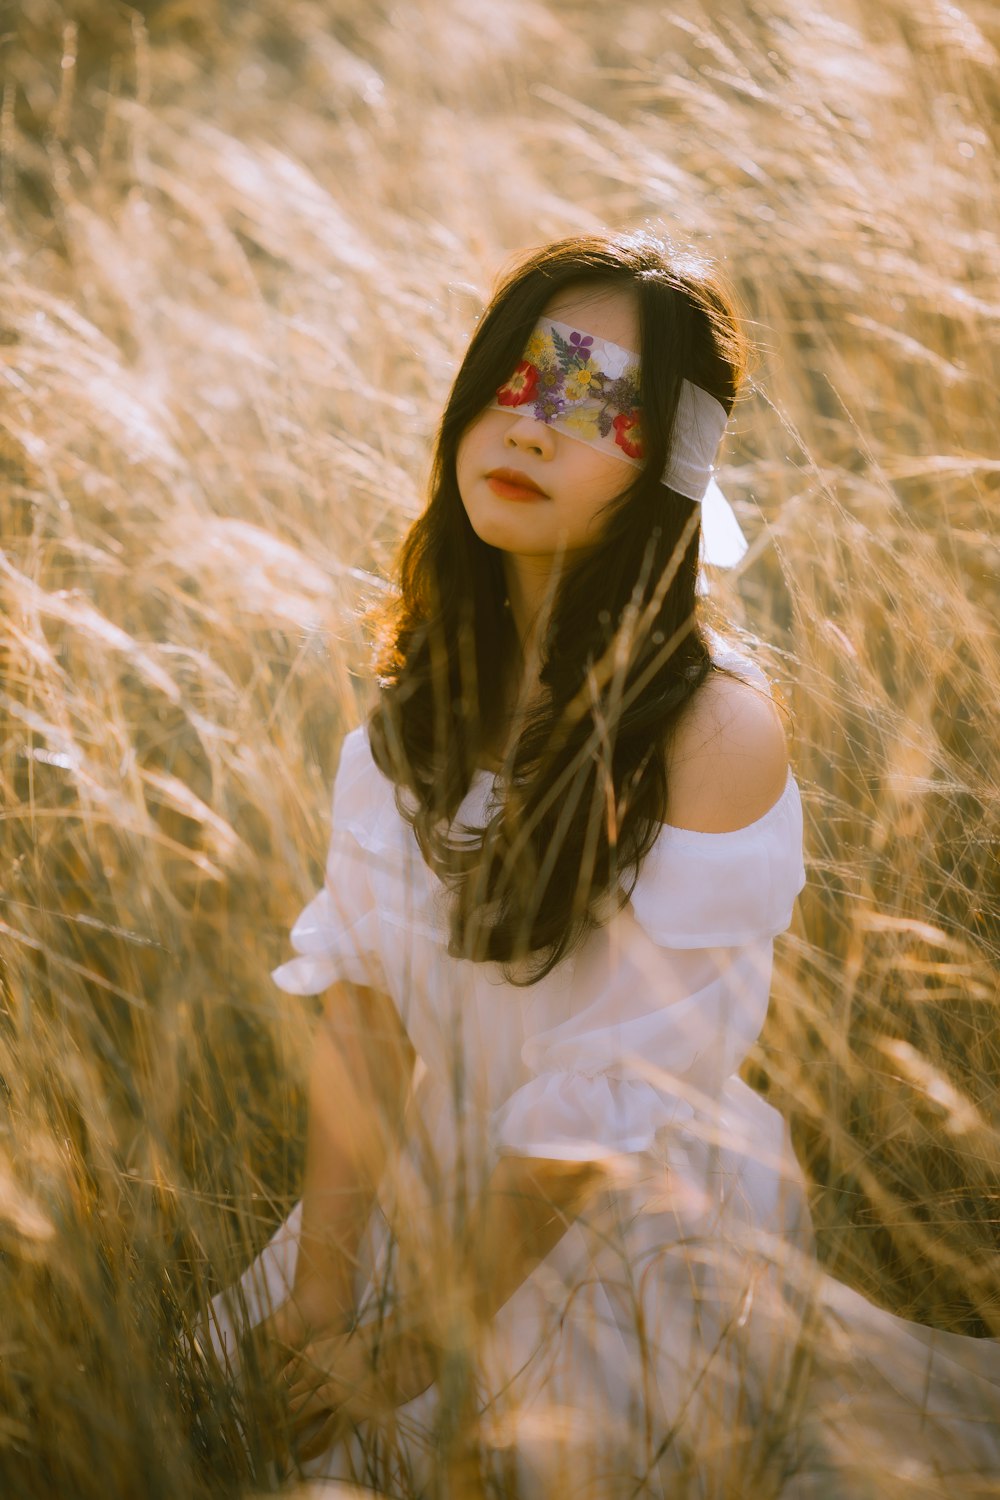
702	889
573	1117
640	1056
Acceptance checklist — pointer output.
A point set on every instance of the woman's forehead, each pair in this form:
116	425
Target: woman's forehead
605	312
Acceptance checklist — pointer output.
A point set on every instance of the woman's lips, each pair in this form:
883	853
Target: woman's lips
511	484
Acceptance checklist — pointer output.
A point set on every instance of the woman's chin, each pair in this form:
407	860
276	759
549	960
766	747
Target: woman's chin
509	533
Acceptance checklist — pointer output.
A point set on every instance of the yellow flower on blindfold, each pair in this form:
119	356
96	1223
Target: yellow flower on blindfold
583	420
537	347
577	385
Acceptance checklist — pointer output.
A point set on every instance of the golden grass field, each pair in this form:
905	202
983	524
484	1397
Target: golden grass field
212	213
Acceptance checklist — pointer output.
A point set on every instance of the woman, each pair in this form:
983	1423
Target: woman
541	1212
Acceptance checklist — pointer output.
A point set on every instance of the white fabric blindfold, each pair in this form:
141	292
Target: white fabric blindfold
588	388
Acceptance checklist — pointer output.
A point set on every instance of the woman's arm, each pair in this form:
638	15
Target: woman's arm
528	1205
358	1084
526	1208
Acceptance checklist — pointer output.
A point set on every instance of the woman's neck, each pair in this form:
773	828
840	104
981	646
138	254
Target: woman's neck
517	703
531	584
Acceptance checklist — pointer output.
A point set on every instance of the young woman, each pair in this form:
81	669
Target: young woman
540	1208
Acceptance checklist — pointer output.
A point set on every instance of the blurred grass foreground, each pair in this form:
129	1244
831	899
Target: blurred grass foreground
243	247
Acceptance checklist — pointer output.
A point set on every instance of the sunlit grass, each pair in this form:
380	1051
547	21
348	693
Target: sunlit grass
243	249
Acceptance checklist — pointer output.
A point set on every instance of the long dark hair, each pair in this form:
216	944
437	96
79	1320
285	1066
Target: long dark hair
583	793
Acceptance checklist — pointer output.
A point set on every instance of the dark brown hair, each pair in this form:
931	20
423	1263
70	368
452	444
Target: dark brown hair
583	794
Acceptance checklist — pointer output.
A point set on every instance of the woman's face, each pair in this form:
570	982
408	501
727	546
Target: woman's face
576	479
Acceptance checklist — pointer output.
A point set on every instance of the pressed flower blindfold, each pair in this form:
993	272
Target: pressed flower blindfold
589	389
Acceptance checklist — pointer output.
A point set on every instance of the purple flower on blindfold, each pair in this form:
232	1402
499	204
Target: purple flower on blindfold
581	343
549	406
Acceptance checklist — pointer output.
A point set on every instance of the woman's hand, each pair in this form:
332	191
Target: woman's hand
305	1316
352	1377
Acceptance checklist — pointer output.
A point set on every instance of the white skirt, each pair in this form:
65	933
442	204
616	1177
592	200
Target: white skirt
682	1342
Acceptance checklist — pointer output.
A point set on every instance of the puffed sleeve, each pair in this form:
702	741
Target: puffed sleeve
668	998
337	933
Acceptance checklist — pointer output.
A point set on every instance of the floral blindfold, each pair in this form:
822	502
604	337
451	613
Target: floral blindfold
589	389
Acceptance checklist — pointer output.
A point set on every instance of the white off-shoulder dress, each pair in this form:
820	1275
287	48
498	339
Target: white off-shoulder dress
681	1338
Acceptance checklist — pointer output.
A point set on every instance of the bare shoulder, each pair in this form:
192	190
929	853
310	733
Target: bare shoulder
729	760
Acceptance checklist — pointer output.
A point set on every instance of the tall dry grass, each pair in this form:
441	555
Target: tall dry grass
243	248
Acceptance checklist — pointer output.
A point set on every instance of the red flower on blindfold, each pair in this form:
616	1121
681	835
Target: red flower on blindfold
628	433
520	387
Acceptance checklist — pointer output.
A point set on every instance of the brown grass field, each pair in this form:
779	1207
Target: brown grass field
211	211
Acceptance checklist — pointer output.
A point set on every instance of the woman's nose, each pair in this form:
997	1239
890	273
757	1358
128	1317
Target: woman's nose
530	435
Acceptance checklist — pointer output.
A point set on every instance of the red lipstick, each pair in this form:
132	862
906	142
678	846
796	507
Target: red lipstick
512	484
